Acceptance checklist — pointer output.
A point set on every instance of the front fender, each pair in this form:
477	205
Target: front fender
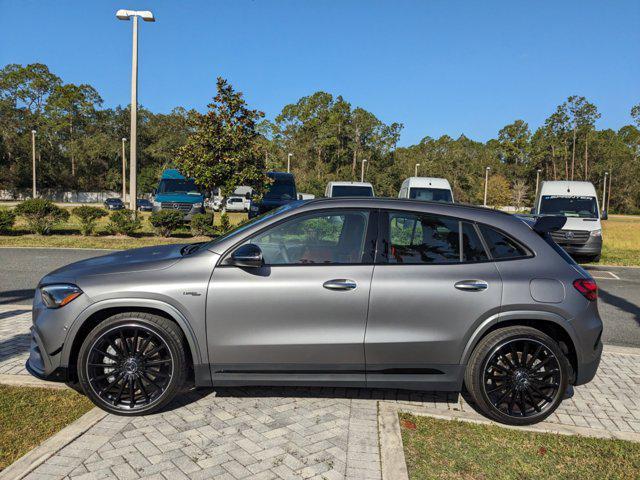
197	357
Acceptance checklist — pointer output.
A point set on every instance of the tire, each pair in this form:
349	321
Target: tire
593	259
517	375
148	358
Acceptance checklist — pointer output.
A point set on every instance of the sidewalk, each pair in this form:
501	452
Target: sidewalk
264	433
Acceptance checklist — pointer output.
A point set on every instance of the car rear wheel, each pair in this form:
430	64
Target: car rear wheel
132	363
517	375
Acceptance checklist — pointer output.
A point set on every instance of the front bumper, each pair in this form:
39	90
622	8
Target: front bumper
593	246
42	365
187	215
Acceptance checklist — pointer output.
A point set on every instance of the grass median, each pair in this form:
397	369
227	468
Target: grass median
456	450
621	240
28	416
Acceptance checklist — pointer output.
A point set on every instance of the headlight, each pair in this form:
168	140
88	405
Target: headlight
254	208
596	233
197	205
56	296
156	204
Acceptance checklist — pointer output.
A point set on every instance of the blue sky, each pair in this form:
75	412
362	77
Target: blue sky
436	66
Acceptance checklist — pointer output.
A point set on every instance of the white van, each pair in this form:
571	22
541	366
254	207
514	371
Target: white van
582	234
426	188
349	189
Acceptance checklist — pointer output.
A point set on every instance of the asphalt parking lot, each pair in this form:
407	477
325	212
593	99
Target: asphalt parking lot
21	268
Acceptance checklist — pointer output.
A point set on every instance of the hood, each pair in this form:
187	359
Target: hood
179	197
126	261
576	223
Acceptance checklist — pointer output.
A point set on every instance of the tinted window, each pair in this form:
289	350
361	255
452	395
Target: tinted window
500	245
351	191
574	206
322	238
472	248
431	194
168	185
282	191
423	239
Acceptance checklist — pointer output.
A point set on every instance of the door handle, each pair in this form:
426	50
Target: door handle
340	284
471	285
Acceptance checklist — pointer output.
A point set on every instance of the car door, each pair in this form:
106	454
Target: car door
301	317
433	283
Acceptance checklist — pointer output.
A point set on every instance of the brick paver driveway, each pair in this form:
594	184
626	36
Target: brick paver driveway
283	432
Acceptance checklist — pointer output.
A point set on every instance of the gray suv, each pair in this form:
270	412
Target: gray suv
357	292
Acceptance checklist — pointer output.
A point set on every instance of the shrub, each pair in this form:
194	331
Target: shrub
41	215
7	219
225	223
88	217
166	221
202	224
123	222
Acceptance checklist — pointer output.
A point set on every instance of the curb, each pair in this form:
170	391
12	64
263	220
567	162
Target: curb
29	381
36	457
394	466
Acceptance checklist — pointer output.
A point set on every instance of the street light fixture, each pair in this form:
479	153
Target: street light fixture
33	159
289	162
124	171
486	184
416	170
147	16
362	170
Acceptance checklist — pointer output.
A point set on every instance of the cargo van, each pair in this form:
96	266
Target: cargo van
177	192
349	189
426	188
281	191
581	235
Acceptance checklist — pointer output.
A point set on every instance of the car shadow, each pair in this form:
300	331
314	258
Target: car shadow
621	303
13	296
196	394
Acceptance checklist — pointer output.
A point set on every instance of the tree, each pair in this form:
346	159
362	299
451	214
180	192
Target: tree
519	193
498	191
583	116
514	140
222	150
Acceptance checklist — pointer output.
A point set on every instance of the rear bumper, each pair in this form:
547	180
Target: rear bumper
588	327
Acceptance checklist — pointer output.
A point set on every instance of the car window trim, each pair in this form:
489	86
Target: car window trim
371	235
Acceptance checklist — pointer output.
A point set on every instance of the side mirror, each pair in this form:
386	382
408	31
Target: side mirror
605	215
533	211
248	255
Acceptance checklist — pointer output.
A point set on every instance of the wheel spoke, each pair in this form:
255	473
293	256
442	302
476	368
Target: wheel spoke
134	345
119	396
111	384
534	357
514	354
157	362
540	394
153	351
533	402
543	363
125	344
522	404
145	344
116	347
143	389
103	365
132	393
108	355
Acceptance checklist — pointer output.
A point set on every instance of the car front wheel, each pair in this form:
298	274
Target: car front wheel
517	375
132	363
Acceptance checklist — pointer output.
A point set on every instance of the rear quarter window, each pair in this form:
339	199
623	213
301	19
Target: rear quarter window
501	246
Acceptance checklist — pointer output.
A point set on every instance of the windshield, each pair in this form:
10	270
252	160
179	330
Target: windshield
431	194
351	191
569	206
176	185
281	191
254	221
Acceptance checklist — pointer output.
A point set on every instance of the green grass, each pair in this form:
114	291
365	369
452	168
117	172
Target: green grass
28	416
621	240
452	450
67	235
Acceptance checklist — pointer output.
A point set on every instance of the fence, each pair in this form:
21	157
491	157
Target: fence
60	196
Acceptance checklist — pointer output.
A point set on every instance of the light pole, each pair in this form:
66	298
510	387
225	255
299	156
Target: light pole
362	170
416	170
147	17
33	160
486	184
289	162
609	196
604	190
124	171
537	181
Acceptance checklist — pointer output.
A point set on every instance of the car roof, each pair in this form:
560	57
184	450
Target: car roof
560	187
426	182
350	184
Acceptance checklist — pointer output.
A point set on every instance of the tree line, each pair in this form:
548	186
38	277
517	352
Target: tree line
79	145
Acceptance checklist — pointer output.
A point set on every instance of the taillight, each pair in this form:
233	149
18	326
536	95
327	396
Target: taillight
587	288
